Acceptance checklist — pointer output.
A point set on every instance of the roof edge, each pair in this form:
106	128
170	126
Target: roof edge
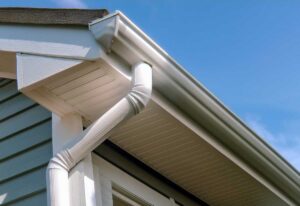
50	16
211	113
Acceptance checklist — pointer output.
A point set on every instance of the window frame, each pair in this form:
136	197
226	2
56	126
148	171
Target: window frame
108	177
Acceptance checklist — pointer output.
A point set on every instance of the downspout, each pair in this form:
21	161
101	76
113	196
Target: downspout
130	105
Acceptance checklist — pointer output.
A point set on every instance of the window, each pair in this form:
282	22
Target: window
114	187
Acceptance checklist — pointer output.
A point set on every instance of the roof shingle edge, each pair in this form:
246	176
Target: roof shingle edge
45	16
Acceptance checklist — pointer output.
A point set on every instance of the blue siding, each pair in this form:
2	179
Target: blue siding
25	148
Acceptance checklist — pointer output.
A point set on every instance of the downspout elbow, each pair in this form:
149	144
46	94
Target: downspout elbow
140	94
61	161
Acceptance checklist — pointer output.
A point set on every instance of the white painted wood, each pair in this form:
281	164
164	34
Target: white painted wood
107	171
103	189
81	179
32	70
81	184
64	129
70	42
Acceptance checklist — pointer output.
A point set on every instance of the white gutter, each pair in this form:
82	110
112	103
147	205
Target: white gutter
60	165
119	36
191	97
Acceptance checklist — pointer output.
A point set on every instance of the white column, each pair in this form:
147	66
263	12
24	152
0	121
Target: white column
81	177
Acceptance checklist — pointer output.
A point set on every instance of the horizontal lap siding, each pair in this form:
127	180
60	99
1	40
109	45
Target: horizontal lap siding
25	148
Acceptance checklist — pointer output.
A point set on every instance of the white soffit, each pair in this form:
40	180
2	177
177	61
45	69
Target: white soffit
90	88
165	144
71	86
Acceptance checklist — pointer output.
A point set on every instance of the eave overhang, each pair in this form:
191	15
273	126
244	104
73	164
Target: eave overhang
194	100
175	90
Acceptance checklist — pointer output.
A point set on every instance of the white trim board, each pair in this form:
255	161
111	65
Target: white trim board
81	179
69	42
105	170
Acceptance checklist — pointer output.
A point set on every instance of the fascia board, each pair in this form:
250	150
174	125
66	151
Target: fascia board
54	41
180	88
32	69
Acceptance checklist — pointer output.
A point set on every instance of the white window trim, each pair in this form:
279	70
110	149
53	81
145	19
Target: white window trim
106	175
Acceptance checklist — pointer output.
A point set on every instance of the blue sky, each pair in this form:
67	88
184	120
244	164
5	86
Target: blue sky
246	52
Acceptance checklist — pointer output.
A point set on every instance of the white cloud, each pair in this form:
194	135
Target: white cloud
285	143
70	3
